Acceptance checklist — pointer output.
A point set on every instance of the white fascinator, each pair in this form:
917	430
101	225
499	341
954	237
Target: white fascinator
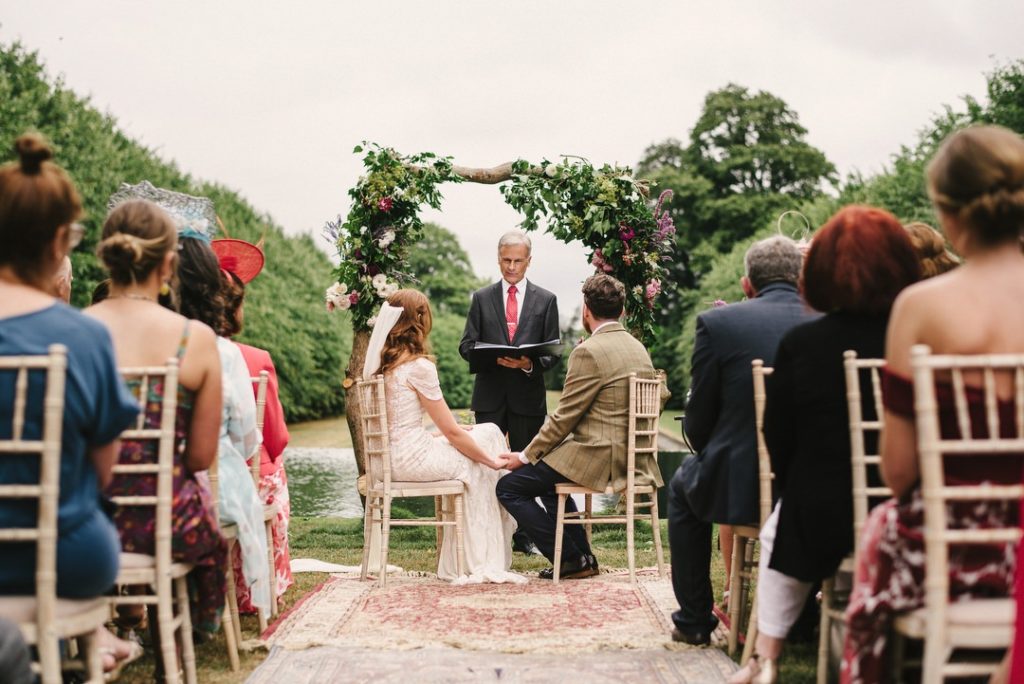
387	317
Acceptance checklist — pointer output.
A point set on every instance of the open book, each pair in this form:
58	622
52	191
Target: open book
484	355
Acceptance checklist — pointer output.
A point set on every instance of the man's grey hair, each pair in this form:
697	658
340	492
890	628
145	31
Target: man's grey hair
772	260
515	237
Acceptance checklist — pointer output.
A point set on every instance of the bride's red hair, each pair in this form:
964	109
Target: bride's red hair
408	339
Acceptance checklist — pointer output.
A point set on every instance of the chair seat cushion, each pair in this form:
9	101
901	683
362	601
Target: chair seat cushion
973	614
22	609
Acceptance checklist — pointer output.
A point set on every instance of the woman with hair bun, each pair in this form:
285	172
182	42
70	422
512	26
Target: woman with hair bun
976	183
38	207
931	250
139	248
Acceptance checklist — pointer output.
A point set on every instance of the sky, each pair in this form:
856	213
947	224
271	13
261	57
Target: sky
269	98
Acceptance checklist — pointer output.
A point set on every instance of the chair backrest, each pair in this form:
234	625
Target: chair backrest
47	491
764	461
374	423
644	414
933	449
261	409
144	378
856	370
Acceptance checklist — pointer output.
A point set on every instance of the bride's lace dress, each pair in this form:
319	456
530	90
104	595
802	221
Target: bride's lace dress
417	455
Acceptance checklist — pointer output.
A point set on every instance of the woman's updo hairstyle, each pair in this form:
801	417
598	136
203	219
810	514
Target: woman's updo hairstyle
36	198
977	176
931	249
137	237
408	339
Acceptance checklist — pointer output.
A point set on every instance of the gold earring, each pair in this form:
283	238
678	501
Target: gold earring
165	289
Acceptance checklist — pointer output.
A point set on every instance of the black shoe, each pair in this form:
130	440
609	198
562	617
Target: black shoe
574	569
691	638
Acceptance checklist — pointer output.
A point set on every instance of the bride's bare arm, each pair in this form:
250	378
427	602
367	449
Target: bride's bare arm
442	416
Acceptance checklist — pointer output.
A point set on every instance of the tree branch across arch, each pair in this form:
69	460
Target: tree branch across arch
605	208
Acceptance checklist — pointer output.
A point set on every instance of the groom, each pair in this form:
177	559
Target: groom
594	409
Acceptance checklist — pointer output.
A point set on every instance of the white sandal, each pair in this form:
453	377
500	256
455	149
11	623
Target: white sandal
756	671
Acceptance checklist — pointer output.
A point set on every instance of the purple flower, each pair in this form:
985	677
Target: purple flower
626	233
666	228
385	204
719	302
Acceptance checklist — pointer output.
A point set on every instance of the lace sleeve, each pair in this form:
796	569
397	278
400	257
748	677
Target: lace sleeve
423	378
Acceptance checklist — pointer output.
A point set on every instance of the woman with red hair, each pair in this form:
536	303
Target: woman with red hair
857	264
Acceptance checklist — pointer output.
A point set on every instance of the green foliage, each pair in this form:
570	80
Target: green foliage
383	222
442	270
607	210
456	381
284	306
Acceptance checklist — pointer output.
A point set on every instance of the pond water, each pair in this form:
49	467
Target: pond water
322	483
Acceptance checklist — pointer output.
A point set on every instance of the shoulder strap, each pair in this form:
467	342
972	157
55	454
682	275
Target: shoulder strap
183	344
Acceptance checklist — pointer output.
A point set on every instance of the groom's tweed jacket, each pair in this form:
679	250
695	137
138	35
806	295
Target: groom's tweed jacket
585	438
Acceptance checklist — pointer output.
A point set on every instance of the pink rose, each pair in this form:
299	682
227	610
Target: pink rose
653	290
353	298
385	204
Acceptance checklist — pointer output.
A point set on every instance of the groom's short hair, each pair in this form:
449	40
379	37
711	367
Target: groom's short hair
604	296
515	237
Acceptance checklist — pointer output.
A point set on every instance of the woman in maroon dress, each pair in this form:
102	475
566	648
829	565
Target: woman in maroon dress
976	182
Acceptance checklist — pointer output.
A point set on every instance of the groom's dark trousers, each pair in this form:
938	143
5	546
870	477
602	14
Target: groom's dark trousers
518	492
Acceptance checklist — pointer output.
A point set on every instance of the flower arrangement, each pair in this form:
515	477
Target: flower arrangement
607	209
383	221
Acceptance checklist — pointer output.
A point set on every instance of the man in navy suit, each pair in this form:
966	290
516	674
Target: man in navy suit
718	484
512	311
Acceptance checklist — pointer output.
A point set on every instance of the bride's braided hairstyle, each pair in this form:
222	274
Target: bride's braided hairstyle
978	176
408	339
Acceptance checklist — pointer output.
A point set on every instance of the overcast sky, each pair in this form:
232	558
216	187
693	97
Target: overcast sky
269	98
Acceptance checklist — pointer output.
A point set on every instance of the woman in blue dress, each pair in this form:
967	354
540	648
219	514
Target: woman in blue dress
38	207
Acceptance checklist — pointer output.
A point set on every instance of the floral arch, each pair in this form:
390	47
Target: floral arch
606	208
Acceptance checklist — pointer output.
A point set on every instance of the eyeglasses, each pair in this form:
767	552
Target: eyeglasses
76	231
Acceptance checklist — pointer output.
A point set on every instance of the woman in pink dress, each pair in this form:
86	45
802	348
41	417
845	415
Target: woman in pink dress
242	262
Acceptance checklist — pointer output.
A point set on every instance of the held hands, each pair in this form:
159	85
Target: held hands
512	461
522	363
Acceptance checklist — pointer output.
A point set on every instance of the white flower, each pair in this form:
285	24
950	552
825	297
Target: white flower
335	295
388	290
551	171
379	281
372	321
387	238
344	303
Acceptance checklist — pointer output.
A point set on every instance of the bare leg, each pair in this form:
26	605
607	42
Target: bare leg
725	540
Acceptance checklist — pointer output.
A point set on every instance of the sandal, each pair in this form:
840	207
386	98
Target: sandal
135	652
756	671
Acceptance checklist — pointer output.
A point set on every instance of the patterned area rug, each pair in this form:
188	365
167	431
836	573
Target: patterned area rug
327	664
602	628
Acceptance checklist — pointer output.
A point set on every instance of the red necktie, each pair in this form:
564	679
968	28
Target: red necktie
512	312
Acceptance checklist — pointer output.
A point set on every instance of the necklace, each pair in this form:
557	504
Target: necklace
131	295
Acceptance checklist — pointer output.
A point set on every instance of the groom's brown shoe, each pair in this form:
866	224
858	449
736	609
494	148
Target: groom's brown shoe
584	566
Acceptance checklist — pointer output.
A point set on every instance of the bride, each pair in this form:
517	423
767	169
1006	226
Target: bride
398	349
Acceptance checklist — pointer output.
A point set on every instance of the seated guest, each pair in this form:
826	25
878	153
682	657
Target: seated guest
242	262
38	205
719	483
976	182
857	264
931	250
201	294
139	247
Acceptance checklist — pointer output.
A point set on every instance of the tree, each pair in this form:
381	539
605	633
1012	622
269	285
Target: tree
442	267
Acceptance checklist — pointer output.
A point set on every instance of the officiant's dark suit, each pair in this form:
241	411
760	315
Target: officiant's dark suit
514	399
718	484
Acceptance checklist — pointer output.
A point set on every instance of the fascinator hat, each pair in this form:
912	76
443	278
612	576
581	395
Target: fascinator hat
242	258
386	319
193	216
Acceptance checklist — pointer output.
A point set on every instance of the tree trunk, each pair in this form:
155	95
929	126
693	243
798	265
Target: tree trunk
353	409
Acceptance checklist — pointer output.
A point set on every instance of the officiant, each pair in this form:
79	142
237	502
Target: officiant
513	311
